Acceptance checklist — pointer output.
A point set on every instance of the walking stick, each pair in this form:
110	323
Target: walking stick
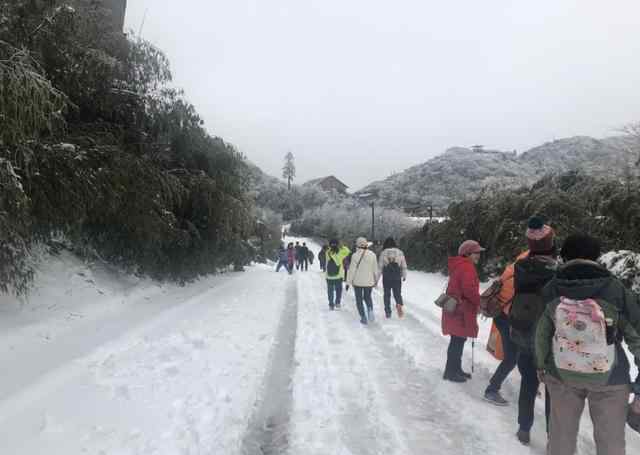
473	356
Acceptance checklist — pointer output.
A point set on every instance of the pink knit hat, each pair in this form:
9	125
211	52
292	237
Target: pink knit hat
540	236
469	247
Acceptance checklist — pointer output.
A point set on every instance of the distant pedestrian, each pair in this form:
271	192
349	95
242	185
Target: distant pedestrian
297	250
322	257
283	259
291	258
393	269
335	274
462	322
304	257
363	276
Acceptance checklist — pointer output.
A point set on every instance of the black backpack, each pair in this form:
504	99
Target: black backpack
332	267
530	276
392	271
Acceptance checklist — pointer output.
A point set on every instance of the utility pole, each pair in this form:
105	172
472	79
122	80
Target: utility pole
373	221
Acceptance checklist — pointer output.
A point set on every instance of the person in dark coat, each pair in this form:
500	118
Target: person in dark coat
304	257
462	323
283	259
297	249
322	257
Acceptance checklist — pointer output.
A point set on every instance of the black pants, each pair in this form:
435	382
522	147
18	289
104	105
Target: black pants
304	265
454	355
363	294
510	354
281	264
334	292
528	392
390	286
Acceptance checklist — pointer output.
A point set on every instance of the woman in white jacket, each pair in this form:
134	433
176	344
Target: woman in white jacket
363	276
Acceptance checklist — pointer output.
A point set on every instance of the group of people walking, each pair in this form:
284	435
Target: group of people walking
562	321
358	268
298	256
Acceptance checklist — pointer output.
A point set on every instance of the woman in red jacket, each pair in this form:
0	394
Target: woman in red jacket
462	323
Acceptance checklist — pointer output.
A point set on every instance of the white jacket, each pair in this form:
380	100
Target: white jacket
363	269
393	255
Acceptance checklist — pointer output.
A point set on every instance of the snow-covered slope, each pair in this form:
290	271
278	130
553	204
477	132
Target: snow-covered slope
460	172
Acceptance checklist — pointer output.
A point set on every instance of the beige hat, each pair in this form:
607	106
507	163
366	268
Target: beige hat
361	242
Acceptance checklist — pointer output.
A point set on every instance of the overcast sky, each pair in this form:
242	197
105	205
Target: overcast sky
363	88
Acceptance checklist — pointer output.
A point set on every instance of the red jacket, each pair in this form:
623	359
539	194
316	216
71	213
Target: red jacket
465	287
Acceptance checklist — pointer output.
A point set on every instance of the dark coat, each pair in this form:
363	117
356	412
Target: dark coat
464	285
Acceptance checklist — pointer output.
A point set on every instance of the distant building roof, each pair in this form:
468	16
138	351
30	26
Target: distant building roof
328	183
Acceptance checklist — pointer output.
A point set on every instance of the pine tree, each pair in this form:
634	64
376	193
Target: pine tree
289	169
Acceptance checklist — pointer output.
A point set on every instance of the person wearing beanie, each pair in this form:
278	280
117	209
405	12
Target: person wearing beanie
531	272
540	240
363	276
462	323
582	279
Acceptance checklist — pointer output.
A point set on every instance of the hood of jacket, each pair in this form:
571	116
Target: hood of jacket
581	279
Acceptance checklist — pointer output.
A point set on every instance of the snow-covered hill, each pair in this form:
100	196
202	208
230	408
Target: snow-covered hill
461	172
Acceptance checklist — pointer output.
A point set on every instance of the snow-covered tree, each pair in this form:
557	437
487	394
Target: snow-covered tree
289	169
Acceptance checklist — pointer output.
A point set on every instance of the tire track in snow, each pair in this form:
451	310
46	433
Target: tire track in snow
268	431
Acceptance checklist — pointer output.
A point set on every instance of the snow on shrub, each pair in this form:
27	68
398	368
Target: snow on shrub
625	265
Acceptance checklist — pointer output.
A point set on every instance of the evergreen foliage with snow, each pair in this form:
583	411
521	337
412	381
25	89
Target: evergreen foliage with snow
571	202
97	147
348	219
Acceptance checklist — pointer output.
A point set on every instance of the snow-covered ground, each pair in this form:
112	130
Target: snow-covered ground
242	363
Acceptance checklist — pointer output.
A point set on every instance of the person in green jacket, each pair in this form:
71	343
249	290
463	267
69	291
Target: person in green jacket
579	356
334	272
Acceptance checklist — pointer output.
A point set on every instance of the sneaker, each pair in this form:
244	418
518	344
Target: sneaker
337	306
388	315
524	437
363	321
465	374
332	307
495	398
399	310
455	377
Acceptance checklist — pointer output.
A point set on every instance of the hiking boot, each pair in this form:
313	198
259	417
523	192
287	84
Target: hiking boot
454	377
495	398
524	437
399	310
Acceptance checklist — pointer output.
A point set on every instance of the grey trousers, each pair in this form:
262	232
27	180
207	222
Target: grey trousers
608	406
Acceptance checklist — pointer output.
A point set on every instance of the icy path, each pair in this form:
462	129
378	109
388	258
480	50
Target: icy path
243	364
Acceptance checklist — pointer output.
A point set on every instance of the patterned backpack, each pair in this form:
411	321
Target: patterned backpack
584	340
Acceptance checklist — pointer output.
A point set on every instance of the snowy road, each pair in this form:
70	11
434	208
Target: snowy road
248	363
